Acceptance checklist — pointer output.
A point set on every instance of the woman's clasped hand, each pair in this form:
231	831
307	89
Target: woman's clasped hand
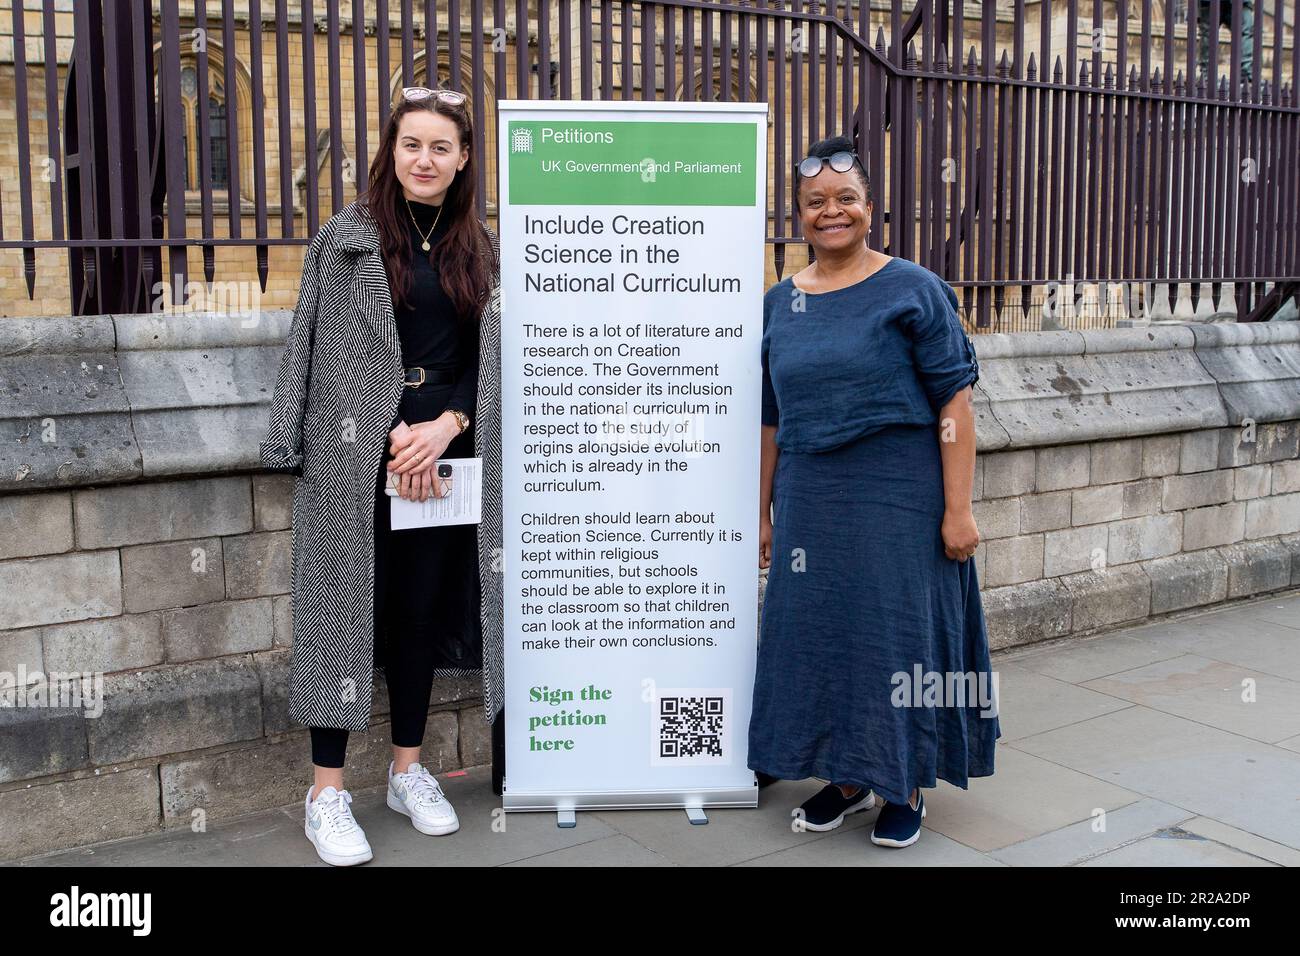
415	450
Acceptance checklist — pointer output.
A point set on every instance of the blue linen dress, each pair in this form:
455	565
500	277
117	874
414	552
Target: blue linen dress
873	662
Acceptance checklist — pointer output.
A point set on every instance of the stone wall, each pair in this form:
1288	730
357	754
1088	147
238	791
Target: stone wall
1122	474
1125	474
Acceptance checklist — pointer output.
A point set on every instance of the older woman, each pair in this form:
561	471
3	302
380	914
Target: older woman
872	616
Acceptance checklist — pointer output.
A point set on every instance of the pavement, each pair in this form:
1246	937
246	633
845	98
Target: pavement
1175	743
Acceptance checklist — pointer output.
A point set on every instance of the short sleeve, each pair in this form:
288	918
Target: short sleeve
941	350
771	415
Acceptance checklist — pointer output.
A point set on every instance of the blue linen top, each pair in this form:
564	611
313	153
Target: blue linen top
838	365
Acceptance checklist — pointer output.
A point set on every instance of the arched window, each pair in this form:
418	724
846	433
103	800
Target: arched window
751	88
219	160
220	171
222	102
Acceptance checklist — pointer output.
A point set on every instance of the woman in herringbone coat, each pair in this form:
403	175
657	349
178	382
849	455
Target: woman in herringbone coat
392	364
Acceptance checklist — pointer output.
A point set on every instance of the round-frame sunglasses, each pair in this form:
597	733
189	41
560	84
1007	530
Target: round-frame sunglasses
450	97
841	162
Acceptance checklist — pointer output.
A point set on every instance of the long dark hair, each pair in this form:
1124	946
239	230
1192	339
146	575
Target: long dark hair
463	256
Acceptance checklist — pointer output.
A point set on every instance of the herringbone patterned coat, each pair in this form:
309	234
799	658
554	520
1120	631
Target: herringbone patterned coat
336	398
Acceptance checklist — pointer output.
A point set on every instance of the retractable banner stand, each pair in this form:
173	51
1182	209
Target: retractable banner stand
632	240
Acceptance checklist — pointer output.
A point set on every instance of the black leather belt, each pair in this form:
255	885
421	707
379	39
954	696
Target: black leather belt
415	377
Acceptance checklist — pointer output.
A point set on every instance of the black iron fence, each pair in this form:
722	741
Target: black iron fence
1023	151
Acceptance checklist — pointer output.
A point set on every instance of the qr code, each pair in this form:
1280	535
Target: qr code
691	727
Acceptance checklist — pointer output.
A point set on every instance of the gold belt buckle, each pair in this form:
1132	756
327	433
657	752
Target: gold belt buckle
415	384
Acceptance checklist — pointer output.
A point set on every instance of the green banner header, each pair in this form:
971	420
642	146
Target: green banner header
581	163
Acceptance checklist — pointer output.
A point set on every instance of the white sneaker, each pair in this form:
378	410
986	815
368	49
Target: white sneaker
416	794
333	831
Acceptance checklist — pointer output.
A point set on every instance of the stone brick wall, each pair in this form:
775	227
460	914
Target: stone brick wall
175	592
1122	475
1080	537
1133	473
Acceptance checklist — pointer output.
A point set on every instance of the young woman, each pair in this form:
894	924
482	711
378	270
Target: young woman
392	364
868	453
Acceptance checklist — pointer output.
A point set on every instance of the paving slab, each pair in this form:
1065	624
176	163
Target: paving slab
1176	848
1227	696
1246	641
616	850
1094	836
1026	797
1241	840
1039	703
1077	661
1211	772
1283	611
730	836
854	848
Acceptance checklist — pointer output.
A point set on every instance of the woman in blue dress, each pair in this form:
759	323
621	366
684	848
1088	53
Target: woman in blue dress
873	665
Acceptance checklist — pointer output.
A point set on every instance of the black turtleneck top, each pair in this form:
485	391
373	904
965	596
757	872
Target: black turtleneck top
428	327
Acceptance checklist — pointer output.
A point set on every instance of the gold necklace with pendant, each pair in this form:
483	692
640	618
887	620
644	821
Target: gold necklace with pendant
425	244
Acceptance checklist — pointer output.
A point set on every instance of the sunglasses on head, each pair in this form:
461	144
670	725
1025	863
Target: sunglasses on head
841	162
416	93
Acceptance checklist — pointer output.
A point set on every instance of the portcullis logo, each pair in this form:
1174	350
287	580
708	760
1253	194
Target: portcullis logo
521	140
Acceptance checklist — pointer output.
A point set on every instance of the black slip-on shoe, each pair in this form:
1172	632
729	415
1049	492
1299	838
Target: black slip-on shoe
826	809
899	824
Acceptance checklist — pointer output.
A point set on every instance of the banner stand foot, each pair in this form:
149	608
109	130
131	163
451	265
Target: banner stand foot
696	816
566	819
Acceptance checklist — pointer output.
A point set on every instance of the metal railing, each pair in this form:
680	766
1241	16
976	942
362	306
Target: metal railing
1019	165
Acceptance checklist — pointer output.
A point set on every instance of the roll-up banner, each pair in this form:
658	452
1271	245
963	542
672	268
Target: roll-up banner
632	252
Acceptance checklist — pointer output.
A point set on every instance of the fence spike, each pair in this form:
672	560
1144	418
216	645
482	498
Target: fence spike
946	66
146	268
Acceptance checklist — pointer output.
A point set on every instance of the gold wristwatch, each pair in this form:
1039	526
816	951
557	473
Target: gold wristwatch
461	419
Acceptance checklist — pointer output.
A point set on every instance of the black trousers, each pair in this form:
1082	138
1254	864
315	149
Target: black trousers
426	600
